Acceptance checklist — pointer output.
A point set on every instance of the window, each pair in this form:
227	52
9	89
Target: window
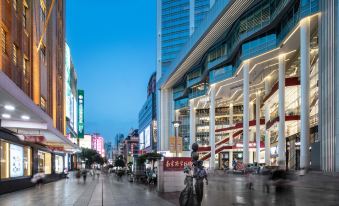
4	153
44	162
16	160
24	66
27	161
15	4
24	15
43	103
59	164
15	55
3	41
43	53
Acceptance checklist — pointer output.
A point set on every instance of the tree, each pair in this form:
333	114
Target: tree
119	162
90	157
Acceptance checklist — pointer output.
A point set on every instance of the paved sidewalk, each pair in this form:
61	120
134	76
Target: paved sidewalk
104	191
310	190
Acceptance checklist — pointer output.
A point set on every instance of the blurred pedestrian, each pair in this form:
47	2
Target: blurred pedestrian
38	178
78	175
84	175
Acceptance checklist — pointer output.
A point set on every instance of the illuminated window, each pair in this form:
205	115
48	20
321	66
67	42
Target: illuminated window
4	153
24	15
43	53
59	164
3	41
15	4
27	161
44	162
43	103
15	55
24	66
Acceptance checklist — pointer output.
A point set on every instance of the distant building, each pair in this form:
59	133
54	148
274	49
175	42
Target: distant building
86	142
147	119
108	150
98	144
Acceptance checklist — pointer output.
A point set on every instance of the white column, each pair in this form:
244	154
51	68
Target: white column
192	16
257	125
251	117
267	118
281	110
212	127
246	113
230	159
231	124
267	136
305	93
192	123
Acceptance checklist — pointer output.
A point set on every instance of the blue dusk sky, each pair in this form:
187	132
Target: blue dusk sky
113	48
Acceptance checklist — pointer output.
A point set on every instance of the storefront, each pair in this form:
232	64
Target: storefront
20	160
16	160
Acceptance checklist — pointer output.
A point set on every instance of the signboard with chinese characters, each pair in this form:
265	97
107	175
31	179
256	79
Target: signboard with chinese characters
176	163
35	139
175	146
81	116
172	144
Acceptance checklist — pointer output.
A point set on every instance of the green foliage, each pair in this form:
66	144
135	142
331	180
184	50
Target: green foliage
90	157
119	162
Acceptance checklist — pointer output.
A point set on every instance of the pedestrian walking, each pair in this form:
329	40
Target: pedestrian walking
78	175
84	175
38	178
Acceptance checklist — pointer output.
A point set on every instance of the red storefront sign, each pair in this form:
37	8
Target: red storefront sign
56	148
176	163
35	139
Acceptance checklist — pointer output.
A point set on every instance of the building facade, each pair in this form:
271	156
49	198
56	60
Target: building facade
147	119
32	126
98	144
257	82
176	22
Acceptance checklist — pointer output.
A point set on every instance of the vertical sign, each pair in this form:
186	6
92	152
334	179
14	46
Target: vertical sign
81	115
68	80
179	144
172	144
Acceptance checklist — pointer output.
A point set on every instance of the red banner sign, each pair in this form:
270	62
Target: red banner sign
56	148
176	163
35	139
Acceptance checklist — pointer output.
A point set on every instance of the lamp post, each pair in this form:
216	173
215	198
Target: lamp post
176	125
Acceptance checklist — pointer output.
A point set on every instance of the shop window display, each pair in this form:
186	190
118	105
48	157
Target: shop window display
16	160
59	163
45	162
4	150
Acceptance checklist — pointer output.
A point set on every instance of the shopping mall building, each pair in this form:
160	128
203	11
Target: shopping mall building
257	81
32	110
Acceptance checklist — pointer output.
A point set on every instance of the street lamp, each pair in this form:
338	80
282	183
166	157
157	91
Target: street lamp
176	125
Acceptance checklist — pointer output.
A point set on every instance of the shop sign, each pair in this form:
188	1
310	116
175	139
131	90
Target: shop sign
35	139
175	146
81	116
16	161
176	163
56	148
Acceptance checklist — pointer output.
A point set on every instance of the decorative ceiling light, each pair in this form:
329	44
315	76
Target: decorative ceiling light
25	117
9	107
7	116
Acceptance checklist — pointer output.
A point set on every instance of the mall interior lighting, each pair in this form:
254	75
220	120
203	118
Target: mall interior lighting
25	117
9	107
7	116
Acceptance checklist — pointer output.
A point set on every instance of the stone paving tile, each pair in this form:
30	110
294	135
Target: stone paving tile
222	190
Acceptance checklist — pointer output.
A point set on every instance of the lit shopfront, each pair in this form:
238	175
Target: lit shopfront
16	160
